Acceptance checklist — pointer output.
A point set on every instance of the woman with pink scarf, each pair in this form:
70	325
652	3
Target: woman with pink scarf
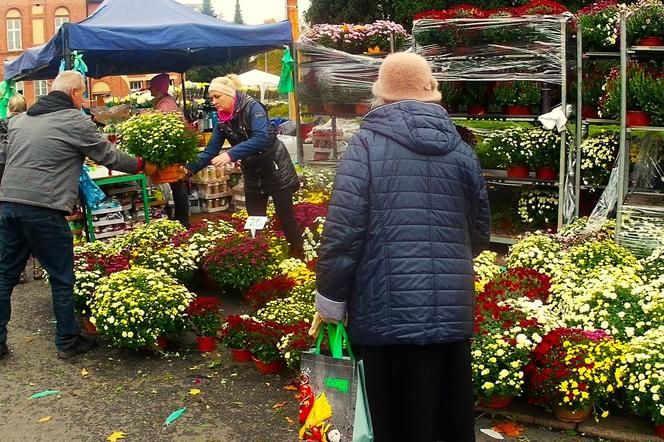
266	166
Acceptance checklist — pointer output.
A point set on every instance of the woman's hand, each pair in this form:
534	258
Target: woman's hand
221	160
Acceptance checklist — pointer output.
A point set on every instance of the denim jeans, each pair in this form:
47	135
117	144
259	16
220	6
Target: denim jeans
45	234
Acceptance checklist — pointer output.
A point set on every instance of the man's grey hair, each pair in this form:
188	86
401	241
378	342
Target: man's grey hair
67	81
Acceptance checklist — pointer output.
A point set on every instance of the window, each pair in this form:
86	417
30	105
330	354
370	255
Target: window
41	88
14	31
135	85
20	87
61	16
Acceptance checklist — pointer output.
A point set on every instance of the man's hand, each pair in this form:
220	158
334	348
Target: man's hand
184	172
150	168
221	159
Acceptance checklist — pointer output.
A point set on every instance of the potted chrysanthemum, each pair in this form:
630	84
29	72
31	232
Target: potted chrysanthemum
162	139
136	307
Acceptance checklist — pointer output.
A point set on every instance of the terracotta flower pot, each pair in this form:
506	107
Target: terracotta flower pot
268	368
517	109
566	415
240	354
477	109
89	327
362	108
518	172
638	118
162	342
496	401
546	173
589	112
659	429
206	343
651	41
315	109
167	174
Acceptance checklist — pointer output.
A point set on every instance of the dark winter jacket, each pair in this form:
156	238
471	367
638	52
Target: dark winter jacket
45	150
409	210
265	162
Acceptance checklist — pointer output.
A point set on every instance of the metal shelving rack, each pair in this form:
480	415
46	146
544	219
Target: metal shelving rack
648	206
504	181
583	122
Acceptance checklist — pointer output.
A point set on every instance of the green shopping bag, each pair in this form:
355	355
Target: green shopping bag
341	378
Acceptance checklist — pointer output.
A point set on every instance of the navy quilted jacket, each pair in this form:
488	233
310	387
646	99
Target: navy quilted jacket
408	212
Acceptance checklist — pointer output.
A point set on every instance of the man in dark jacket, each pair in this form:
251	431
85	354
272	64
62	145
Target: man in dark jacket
40	166
408	212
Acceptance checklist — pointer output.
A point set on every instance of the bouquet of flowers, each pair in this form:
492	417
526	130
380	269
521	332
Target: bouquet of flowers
599	23
644	88
651	296
204	316
160	138
238	261
536	251
538	207
263	338
262	292
598	154
134	307
510	93
574	369
312	236
642	365
546	148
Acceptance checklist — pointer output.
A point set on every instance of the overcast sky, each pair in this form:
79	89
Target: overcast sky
255	11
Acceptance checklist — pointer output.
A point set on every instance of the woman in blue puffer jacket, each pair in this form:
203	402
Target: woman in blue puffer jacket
408	213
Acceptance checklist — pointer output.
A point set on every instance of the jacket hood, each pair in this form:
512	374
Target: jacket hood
53	102
424	128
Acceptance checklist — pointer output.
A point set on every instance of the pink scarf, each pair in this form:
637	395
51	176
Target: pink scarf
225	116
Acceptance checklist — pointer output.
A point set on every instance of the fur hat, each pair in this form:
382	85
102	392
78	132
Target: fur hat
160	83
227	85
406	76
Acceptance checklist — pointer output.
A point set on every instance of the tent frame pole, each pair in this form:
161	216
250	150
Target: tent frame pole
65	46
184	95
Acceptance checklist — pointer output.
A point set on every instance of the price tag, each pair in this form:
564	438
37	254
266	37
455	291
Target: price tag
255	223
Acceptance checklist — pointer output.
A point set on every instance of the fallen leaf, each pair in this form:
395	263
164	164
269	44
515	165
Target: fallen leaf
278	405
115	436
290	388
508	428
84	373
28	338
492	433
194	391
289	420
45	419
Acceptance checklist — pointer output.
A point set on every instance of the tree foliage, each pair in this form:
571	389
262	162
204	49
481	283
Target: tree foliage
238	13
207	8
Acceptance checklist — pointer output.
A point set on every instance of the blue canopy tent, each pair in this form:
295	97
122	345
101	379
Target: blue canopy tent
125	37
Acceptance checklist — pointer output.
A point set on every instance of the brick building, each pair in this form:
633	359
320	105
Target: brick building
29	23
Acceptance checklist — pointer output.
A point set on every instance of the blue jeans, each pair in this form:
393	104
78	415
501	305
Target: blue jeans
45	234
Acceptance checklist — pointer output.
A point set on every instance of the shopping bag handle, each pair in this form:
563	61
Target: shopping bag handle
337	335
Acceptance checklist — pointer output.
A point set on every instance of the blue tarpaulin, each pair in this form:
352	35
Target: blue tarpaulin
125	37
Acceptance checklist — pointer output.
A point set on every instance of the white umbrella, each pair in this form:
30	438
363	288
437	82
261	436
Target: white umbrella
260	79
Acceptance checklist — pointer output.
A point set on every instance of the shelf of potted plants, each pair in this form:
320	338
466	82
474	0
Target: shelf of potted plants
640	83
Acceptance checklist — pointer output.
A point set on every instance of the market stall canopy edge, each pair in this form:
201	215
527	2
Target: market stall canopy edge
125	37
